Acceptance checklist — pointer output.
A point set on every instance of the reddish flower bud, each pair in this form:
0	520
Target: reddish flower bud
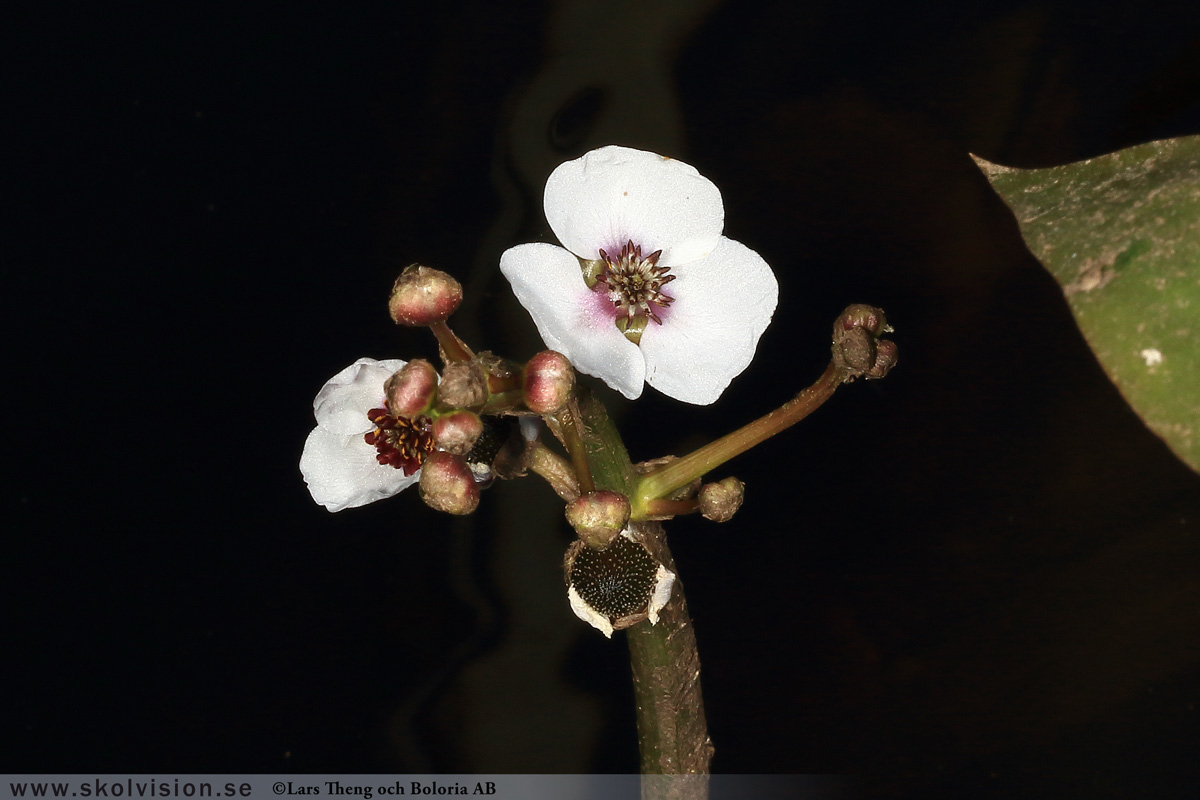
410	392
457	431
869	318
547	380
719	501
448	484
423	296
886	356
598	517
857	347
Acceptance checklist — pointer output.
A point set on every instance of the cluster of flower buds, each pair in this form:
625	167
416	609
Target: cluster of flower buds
857	343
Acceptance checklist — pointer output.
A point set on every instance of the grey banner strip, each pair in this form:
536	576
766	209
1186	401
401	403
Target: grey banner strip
375	787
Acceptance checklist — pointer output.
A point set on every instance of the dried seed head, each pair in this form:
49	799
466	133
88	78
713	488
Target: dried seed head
616	587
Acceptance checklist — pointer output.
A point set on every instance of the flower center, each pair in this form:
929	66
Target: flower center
402	443
634	284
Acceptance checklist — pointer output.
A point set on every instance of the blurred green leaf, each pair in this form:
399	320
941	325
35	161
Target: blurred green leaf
1121	234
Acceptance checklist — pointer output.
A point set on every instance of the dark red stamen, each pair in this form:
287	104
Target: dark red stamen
402	443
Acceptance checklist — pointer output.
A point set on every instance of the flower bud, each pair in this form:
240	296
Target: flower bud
719	501
598	517
860	315
856	342
547	382
410	391
886	356
457	431
464	385
448	484
423	296
856	350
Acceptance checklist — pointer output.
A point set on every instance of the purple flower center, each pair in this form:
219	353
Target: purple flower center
634	283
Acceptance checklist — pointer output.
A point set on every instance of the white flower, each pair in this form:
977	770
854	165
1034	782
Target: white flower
672	302
353	456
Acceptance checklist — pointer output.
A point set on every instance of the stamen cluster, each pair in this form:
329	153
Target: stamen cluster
635	283
402	443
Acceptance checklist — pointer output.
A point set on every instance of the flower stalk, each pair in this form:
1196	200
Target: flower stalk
568	427
672	730
556	471
682	471
453	348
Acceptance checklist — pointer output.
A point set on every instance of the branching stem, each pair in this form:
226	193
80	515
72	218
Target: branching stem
556	470
682	471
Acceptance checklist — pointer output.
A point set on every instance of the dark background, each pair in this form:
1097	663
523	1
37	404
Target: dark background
977	577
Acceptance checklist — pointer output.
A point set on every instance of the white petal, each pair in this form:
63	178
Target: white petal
615	194
342	404
341	471
588	614
571	318
723	304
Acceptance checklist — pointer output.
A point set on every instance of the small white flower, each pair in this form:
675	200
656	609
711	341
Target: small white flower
357	454
647	290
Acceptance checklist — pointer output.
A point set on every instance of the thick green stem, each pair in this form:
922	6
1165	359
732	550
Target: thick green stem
672	732
682	471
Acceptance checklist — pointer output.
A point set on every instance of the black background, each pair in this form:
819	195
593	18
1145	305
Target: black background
977	577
